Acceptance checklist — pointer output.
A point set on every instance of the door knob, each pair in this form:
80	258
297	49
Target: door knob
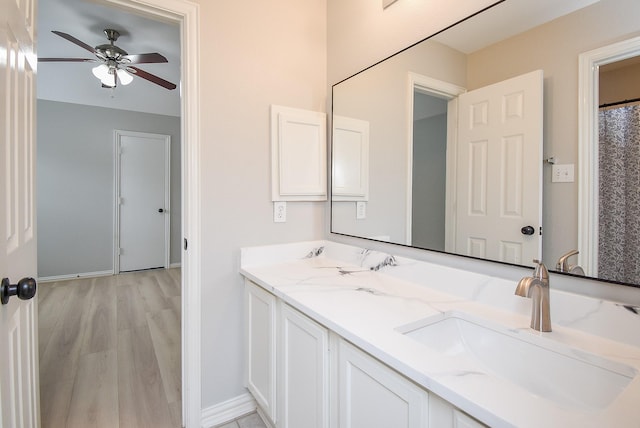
527	230
25	289
160	210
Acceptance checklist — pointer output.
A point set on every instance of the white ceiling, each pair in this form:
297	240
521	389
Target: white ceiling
506	20
74	82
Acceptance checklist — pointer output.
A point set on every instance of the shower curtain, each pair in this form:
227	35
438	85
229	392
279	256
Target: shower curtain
619	193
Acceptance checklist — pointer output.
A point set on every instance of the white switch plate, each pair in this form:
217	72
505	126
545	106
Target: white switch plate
280	212
562	173
361	210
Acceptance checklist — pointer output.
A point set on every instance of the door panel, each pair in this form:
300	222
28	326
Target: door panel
19	401
144	201
499	170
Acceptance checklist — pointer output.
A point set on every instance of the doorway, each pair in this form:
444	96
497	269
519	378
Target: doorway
430	97
429	170
186	15
618	172
588	146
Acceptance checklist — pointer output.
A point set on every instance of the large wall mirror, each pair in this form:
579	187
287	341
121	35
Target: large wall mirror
469	141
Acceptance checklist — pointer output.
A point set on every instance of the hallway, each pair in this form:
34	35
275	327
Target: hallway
110	351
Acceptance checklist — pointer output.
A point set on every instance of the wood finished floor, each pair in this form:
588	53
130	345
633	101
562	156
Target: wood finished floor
110	351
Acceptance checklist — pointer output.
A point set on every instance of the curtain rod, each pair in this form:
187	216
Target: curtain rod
633	100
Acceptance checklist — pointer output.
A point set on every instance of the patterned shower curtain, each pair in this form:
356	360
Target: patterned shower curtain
619	208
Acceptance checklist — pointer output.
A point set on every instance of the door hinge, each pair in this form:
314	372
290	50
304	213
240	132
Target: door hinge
119	251
186	244
540	230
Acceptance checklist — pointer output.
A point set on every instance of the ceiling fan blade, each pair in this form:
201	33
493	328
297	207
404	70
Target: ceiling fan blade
146	58
75	41
66	60
151	78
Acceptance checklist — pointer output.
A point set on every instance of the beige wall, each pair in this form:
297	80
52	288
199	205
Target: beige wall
620	84
555	47
253	54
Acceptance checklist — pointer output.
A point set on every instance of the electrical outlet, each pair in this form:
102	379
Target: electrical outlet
280	212
361	210
562	173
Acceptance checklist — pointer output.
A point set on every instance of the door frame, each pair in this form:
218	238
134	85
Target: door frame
187	15
588	136
117	181
447	91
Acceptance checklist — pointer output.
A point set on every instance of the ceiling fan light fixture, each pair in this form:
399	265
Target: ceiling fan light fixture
101	71
124	77
109	81
106	75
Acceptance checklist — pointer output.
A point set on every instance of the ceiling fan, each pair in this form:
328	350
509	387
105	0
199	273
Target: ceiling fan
115	63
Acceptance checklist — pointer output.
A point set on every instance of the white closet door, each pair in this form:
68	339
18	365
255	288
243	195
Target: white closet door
143	200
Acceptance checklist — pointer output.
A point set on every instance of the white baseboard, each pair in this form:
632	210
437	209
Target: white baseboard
75	276
227	411
264	418
175	265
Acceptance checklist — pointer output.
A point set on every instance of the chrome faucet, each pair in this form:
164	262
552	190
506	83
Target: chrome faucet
537	287
564	266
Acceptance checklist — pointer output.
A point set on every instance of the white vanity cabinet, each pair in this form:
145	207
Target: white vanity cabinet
303	375
302	371
287	362
443	414
260	343
374	396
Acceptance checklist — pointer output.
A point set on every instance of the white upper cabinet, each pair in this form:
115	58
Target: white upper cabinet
298	155
350	159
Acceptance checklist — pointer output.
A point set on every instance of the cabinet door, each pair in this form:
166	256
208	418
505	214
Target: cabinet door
260	340
443	414
303	372
462	420
371	395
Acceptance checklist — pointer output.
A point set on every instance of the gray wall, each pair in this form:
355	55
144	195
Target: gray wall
429	182
75	167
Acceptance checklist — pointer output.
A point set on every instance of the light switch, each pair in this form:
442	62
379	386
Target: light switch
361	210
562	173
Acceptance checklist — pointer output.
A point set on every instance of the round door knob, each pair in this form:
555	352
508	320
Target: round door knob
160	210
25	289
528	230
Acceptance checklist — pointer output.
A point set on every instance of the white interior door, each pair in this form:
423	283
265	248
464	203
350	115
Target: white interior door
499	181
19	395
143	200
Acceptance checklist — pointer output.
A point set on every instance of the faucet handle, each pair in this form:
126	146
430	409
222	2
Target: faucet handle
563	263
541	271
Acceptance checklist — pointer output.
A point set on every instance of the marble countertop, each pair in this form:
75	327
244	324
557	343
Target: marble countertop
365	297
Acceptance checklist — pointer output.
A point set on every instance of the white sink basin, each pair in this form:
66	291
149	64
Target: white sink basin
541	366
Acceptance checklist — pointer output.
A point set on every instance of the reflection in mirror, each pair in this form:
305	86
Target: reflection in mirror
429	166
619	171
405	203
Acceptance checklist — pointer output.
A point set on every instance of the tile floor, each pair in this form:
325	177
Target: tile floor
252	420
